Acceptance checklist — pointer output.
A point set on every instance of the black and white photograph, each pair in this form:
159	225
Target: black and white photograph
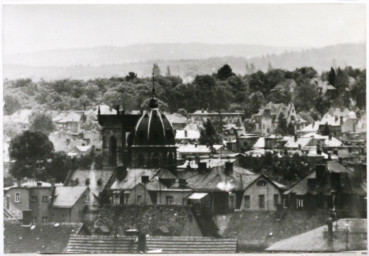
184	128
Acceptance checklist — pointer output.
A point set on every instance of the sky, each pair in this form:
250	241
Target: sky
30	28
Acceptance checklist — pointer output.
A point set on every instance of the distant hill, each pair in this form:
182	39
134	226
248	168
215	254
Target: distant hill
109	55
319	58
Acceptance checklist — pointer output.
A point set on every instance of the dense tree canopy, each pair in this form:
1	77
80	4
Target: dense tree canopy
42	122
223	90
30	152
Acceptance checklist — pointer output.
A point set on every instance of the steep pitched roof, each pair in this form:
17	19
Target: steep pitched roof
95	176
66	197
217	180
41	238
134	175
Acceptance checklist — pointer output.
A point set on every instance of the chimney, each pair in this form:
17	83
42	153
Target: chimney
116	107
121	172
320	170
52	190
329	156
228	168
182	183
141	243
185	133
144	179
201	167
330	229
336	180
330	136
295	138
341	120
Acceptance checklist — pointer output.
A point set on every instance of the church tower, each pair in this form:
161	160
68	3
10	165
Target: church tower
152	142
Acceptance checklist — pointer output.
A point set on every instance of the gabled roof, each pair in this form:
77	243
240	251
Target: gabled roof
67	197
21	116
216	179
134	175
40	238
94	175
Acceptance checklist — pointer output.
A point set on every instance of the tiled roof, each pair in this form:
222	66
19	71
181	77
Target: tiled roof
316	240
217	180
163	244
134	175
148	219
102	244
182	244
41	238
259	229
66	197
82	175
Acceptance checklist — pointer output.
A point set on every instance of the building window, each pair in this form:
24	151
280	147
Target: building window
126	199
139	200
169	200
87	198
261	201
261	183
33	198
44	219
246	200
17	198
276	197
45	198
62	218
300	203
284	202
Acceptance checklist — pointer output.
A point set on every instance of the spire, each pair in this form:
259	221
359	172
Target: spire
153	101
153	85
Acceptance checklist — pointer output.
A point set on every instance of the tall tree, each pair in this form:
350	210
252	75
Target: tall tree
30	152
224	72
282	124
156	70
42	122
168	71
208	135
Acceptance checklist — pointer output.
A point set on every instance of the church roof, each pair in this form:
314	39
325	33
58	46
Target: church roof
153	128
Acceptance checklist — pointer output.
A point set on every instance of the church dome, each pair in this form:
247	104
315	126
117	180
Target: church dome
153	128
